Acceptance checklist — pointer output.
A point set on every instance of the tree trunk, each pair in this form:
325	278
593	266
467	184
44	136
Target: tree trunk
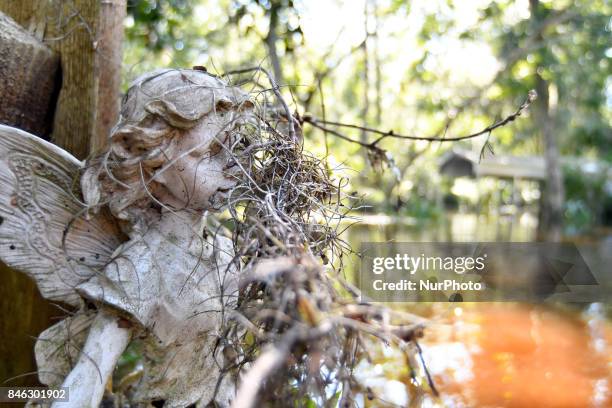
550	227
85	37
377	64
551	218
366	78
271	39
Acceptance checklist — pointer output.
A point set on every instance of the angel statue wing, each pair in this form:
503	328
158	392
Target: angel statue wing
43	227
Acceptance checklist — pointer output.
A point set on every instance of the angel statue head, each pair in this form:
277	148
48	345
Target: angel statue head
172	147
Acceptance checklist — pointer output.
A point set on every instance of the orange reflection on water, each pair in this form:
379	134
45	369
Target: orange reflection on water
522	356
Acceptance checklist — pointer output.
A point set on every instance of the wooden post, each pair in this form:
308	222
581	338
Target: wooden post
87	35
83	38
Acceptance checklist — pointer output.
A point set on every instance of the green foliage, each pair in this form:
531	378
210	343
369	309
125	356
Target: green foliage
288	27
412	81
571	55
158	23
587	199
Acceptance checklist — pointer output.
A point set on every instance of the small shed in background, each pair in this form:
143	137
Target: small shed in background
465	163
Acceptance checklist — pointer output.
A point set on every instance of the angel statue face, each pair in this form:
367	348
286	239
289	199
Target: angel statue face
202	172
172	146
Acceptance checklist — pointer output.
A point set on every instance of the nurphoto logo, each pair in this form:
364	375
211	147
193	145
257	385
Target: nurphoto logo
442	272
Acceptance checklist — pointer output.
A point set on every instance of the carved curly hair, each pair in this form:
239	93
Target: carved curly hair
156	109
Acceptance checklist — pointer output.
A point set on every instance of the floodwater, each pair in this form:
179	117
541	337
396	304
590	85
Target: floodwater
506	354
521	356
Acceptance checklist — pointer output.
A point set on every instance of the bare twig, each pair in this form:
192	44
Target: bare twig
276	91
323	125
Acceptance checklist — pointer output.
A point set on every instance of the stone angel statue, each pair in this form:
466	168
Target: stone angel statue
121	238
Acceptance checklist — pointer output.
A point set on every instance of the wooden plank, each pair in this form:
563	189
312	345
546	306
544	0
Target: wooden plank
28	89
87	36
29	79
24	315
108	67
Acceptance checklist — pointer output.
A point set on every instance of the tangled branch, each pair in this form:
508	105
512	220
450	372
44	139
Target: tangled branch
296	314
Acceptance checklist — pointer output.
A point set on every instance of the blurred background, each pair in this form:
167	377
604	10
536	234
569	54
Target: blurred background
426	68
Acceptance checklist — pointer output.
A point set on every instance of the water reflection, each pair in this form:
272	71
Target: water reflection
501	354
457	227
513	355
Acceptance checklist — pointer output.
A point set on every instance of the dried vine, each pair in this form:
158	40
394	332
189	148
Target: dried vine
300	327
